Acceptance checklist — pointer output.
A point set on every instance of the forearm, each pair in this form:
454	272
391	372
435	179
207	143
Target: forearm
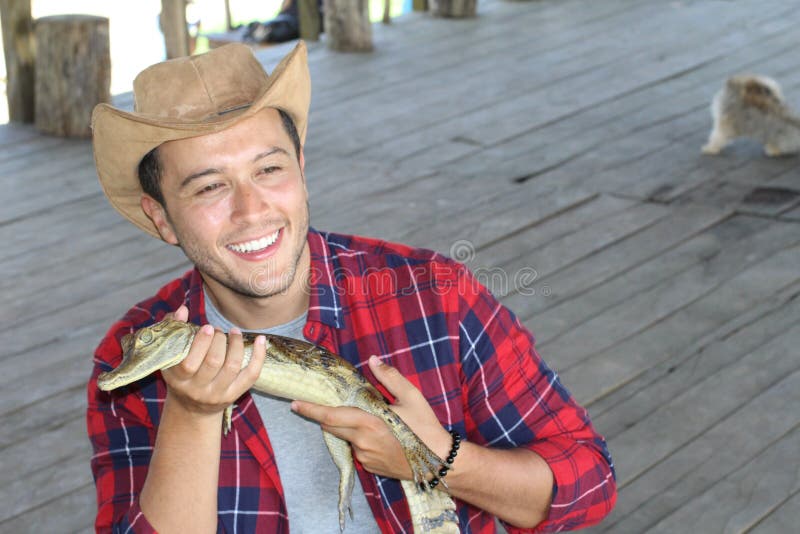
515	485
180	491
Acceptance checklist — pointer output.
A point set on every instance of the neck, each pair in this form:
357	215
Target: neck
258	313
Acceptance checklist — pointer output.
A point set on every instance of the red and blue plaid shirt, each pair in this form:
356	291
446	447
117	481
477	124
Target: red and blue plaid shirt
422	313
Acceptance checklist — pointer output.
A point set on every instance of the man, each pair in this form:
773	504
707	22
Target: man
212	161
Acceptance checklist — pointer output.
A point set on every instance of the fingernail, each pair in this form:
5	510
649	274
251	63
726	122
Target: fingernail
236	331
207	330
294	406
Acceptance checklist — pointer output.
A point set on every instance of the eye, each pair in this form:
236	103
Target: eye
146	336
269	170
209	188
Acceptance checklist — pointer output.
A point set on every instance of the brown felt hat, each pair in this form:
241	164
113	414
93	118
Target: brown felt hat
189	97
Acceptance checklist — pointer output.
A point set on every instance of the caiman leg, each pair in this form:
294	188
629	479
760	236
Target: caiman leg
343	458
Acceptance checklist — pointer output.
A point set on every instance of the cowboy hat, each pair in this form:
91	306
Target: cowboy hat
189	97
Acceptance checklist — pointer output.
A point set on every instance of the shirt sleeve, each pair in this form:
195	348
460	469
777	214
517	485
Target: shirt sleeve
122	438
516	400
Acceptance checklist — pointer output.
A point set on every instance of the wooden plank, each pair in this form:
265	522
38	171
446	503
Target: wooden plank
40	296
715	301
683	460
63	443
766	200
509	112
394	60
33	419
72	512
747	495
577	152
43	486
583	243
791	215
603	209
76	179
604	319
677	233
41	336
474	93
783	519
718	348
600	123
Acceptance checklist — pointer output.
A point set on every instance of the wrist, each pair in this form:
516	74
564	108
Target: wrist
178	411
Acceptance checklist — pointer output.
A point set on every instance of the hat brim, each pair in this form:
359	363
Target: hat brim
121	139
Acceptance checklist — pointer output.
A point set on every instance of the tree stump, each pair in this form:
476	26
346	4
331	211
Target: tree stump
453	8
18	50
347	25
73	72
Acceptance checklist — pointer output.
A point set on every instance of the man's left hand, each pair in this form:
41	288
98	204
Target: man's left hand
374	446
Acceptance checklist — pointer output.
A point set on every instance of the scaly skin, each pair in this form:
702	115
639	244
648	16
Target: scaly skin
295	369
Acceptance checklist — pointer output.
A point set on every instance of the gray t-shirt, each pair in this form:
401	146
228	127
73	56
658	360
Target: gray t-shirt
310	478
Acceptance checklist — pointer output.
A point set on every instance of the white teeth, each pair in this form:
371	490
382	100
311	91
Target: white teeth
256	244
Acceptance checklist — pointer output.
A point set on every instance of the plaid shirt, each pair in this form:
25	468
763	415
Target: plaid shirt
422	313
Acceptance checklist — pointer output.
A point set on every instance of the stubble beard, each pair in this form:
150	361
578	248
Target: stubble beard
253	286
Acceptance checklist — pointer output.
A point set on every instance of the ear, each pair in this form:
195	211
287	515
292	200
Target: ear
156	212
302	161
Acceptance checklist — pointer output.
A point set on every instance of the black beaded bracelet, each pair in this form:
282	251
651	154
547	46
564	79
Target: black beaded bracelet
448	462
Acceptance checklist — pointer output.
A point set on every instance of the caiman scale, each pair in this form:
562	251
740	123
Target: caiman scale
296	369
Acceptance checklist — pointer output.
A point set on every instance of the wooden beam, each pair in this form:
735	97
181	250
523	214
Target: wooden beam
173	25
228	18
19	54
309	19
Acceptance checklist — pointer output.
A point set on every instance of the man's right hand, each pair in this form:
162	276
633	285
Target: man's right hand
211	377
180	491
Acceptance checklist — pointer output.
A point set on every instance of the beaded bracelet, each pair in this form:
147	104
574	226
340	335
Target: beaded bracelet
448	462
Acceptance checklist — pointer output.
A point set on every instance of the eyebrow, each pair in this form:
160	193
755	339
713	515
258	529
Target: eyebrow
212	170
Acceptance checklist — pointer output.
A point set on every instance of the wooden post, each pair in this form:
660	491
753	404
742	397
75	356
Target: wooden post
73	72
173	26
19	54
347	25
453	8
419	5
228	18
308	20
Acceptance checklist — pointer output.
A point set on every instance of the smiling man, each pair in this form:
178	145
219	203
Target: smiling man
212	161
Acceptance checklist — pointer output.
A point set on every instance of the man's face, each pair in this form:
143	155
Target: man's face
237	205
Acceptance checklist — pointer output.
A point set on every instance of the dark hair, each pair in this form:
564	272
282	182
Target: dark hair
150	170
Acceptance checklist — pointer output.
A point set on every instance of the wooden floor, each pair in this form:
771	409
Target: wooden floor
555	146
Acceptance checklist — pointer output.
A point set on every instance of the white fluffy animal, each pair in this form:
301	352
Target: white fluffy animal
753	106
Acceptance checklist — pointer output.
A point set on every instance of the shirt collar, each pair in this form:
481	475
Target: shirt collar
325	305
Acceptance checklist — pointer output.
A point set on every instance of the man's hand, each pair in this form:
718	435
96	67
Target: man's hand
211	377
373	444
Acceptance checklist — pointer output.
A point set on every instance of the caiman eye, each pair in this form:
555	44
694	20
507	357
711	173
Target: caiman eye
146	336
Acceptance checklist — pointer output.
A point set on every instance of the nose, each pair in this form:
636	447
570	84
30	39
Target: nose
248	204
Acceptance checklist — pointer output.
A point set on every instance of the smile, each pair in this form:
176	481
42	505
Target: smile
255	245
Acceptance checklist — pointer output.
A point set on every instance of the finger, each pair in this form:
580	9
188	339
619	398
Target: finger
181	314
232	364
327	416
248	376
197	352
214	359
392	380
